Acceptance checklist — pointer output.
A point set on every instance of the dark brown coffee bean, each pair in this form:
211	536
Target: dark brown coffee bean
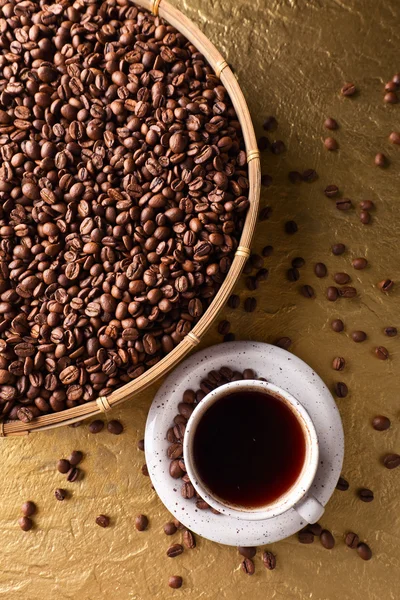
25	523
169	529
381	160
337	325
75	458
140	445
175	582
341	278
341	389
174	550
178	524
365	217
330	123
73	474
349	89
250	304
263	143
391	461
269	560
141	522
390	98
224	327
331	144
103	521
295	177
270	124
247	551
390	331
267	251
338	363
358	336
187	491
63	466
234	301
347	292
394	137
265	213
248	566
189	539
338	249
381	423
342	484
96	426
359	263
278	147
291	227
292	275
332	293
28	508
249	374
364	551
283	342
351	540
60	494
327	539
320	270
382	353
344	204
305	537
331	191
385	285
309	175
298	262
315	529
367	205
262	275
115	427
366	495
307	291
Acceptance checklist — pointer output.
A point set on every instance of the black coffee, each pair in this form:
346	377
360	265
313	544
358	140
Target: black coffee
249	448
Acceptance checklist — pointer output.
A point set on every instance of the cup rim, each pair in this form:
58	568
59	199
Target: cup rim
297	490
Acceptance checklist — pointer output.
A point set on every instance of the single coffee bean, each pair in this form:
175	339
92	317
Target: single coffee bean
28	508
332	293
331	144
351	540
178	524
382	353
391	86
338	363
305	537
309	175
283	342
381	423
359	263
141	522
266	180
295	177
365	217
73	474
327	539
330	123
267	251
224	327
320	270
396	79
366	495
331	191
25	523
247	268
291	227
140	445
394	137
256	261
189	540
390	98
315	529
265	213
381	160
270	124
269	560
249	374
263	143
347	292
248	566
234	301
96	426
278	147
390	331
174	550
115	427
307	291
75	458
170	529
337	325
103	521
63	466
247	551
358	336
344	204
298	262
60	494
342	484
341	389
349	89
341	278
292	274
262	275
338	249
250	304
367	205
175	582
391	461
364	551
386	285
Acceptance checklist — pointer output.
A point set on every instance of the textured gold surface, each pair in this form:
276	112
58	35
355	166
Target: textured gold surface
291	58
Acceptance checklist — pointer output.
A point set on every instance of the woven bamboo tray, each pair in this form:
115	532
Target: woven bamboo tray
103	404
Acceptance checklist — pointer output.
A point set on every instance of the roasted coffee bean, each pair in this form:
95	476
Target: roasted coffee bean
141	522
390	331
364	551
75	458
342	484
234	301
283	342
351	540
337	325
178	524
249	374
338	249
63	466
175	582
366	495
224	327
298	262
327	539
60	494
248	566
341	389
365	217
344	204
140	445
187	491
332	293
305	537
295	177
309	175
115	427
174	550
189	540
331	191
320	270
385	285
265	213
263	143
382	353
73	474
267	250
278	147
315	529
338	363
269	560
247	551
349	89
28	508
103	521
169	529
381	160
331	144
347	292
307	291
390	98
394	137
330	123
270	124
250	304
341	278
391	461
96	426
291	227
381	423
25	523
367	205
262	275
256	261
292	274
358	336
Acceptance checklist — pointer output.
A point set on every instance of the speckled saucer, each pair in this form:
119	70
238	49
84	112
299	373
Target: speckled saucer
284	370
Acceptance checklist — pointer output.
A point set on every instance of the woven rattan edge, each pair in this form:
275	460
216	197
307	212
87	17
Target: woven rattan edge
252	154
155	7
220	66
243	251
103	404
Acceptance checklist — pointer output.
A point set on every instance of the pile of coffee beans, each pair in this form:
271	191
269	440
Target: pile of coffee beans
123	191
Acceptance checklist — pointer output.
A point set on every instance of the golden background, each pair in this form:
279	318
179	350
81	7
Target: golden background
291	58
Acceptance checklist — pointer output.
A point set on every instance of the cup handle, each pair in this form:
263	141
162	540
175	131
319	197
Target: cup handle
309	509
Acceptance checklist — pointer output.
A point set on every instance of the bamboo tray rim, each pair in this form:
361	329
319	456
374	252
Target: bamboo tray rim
104	404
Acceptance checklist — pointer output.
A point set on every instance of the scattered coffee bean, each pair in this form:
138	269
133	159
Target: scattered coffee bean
262	275
283	342
115	427
247	268
266	180
75	458
73	474
307	291
248	566
178	524
359	263
269	560
263	143
347	292
364	551
292	274
366	495
349	89
189	540
382	353
234	301
140	445
291	227
28	508
337	325
25	523
330	123
320	270
381	160
96	426
256	261
298	262
394	137
344	204
278	147
103	521
309	175
174	550
332	293
390	98
295	177
341	278
391	86
169	528
367	205
247	551
365	217
141	522
381	423
175	582
341	389
338	249
338	363
386	285
249	374
224	327
351	540
251	283
305	537
331	144
396	79
270	124
358	336
267	251
342	484
315	528
63	466
250	304
391	461
327	539
390	331
60	494
331	191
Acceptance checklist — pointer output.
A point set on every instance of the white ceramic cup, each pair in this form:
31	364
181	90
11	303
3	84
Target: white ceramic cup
298	496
